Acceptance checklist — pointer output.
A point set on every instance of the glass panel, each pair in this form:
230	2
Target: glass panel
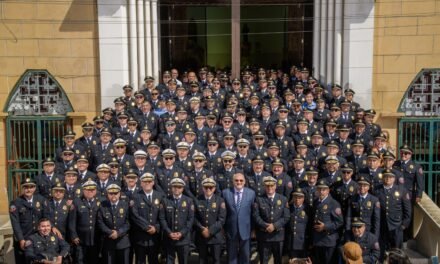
276	35
195	34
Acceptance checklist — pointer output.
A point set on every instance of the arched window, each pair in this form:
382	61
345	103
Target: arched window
37	93
422	97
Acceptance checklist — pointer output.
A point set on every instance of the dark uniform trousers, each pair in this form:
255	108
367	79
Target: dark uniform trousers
24	220
299	229
114	217
177	215
41	248
82	225
210	214
270	211
395	205
144	212
328	212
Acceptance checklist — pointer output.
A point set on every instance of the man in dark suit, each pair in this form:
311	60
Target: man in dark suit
239	205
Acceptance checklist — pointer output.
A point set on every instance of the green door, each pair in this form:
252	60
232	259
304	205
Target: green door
29	141
423	135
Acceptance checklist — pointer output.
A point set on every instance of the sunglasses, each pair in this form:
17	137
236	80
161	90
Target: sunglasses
169	158
68	154
212	145
227	122
236	83
119	147
347	172
228	161
138	97
100	122
271	88
283	112
114	166
208	188
132	124
198	160
242	146
335	110
112	193
239	180
155	94
258	139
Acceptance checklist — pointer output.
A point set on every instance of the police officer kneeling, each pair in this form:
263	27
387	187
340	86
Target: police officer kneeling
271	214
114	225
44	246
366	240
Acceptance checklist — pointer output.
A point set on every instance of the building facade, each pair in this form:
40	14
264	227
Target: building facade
92	48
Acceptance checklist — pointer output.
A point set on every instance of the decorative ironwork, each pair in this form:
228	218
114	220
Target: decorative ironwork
38	93
423	95
423	136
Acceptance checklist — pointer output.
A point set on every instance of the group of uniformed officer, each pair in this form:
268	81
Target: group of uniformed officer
145	178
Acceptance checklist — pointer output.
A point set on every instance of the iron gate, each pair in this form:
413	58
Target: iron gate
31	139
423	135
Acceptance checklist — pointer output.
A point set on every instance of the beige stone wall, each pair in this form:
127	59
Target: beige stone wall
407	37
57	35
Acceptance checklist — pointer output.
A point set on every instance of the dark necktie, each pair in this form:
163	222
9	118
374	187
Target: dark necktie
238	201
149	198
114	208
176	201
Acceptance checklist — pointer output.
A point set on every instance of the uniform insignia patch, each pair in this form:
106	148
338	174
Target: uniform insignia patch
348	146
98	203
279	202
176	174
222	205
37	205
77	151
184	204
280	181
351	189
214	205
338	211
27	243
78	191
380	175
176	138
131	203
156	201
127	163
121	211
421	171
289	185
65	207
364	162
411	167
94	142
303	214
325	207
378	204
111	151
12	208
369	204
52	238
397	194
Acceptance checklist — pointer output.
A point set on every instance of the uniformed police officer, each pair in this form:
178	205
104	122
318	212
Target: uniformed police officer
327	219
44	246
25	212
199	174
412	173
113	222
104	181
395	215
366	240
82	225
210	215
59	209
168	171
176	219
271	214
144	214
365	207
345	188
48	178
299	228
